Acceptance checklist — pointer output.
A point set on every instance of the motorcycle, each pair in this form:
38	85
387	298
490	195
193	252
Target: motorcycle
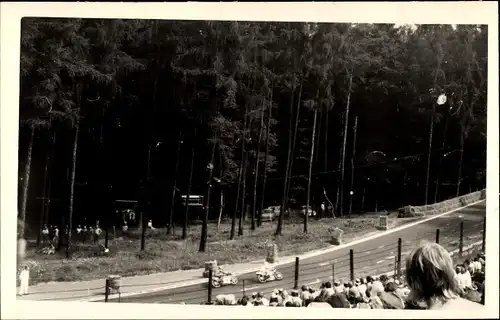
265	276
223	280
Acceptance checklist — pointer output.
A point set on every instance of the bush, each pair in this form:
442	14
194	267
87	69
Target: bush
146	255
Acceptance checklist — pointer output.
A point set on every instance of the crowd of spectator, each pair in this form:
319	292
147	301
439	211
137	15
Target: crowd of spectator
430	282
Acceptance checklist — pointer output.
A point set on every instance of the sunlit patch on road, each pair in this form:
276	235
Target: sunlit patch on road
251	288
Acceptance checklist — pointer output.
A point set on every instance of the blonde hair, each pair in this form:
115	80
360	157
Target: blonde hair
430	274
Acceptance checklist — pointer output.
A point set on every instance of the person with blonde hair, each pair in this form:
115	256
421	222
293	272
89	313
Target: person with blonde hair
431	278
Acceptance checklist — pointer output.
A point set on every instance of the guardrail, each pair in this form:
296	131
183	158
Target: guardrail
443	206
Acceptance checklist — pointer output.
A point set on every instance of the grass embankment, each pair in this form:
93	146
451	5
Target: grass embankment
169	253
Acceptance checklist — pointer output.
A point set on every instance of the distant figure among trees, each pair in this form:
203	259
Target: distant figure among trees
45	234
124	228
150	225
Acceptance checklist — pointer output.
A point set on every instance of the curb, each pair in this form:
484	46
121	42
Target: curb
288	260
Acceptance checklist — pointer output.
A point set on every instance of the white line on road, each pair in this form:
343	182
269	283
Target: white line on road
324	264
314	282
380	261
251	288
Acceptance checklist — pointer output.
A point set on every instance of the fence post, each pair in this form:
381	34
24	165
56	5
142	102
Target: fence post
484	235
395	267
400	246
437	235
210	274
296	283
106	291
333	272
243	288
461	243
351	263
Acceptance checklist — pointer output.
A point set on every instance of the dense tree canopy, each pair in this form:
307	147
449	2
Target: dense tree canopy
119	94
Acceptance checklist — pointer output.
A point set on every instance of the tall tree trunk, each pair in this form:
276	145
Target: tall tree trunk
268	130
342	173
284	200
243	174
49	186
442	155
145	198
72	181
460	162
44	198
363	199
27	173
326	141
294	142
339	167
220	209
204	228
171	227
257	157
352	164
243	195
237	202
290	141
186	212
306	215
318	137
429	156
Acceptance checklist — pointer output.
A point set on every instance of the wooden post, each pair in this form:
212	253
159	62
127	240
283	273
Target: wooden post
333	272
351	260
461	243
210	274
484	235
395	267
296	282
106	291
400	246
243	287
437	235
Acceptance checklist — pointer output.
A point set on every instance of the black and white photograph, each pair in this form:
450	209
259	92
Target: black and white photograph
245	163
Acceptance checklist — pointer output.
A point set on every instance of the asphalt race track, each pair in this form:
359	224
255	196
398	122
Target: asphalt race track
371	257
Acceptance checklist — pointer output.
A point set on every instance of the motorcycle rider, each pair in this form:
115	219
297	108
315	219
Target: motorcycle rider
219	272
268	269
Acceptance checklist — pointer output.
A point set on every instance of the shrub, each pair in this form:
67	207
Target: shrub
146	255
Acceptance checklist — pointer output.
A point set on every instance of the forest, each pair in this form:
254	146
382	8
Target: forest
247	115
